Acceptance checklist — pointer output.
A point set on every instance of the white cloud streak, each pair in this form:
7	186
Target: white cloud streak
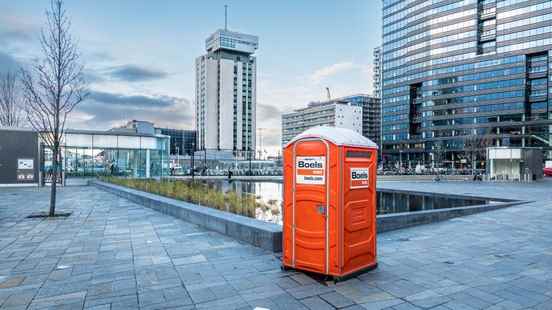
325	72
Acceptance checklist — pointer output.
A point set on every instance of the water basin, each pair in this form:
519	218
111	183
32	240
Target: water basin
269	196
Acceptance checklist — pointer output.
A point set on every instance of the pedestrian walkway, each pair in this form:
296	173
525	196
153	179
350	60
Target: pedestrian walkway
113	254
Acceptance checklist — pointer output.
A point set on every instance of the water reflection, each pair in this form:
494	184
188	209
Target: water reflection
399	202
269	195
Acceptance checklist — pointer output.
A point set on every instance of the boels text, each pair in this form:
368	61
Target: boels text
310	165
359	175
310	170
360	178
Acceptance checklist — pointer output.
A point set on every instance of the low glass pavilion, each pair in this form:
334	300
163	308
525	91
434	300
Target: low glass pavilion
91	153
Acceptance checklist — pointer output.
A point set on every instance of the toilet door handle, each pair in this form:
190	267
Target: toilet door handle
321	209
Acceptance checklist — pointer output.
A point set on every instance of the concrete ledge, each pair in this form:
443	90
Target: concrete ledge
261	234
268	235
394	221
254	178
279	178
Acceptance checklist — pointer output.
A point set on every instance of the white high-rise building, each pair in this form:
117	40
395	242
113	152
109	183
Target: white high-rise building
336	113
226	93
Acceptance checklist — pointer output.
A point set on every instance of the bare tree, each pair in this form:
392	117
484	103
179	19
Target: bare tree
53	87
10	101
477	146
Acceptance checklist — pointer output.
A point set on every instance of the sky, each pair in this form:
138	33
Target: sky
139	54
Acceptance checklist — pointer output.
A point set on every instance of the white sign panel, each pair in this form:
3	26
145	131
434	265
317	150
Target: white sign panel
25	164
360	178
310	170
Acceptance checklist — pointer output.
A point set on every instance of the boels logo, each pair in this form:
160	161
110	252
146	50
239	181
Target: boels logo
312	164
360	178
359	175
310	170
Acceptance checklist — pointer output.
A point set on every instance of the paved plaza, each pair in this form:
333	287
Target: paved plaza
114	254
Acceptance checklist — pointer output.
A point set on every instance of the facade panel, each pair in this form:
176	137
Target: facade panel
19	160
460	76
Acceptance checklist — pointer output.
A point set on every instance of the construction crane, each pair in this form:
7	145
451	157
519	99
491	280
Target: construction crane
260	130
328	93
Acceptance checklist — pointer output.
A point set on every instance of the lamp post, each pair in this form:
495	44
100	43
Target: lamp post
192	162
400	161
249	155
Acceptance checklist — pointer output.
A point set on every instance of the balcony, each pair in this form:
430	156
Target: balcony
487	35
418	100
487	13
416	119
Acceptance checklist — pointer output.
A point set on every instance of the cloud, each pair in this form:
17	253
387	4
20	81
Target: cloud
132	101
271	139
16	29
98	56
91	76
8	63
267	112
105	110
134	73
331	70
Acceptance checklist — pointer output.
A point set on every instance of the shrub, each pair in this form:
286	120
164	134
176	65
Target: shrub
195	192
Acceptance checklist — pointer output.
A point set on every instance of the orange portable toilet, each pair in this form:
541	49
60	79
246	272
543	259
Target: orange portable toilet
329	213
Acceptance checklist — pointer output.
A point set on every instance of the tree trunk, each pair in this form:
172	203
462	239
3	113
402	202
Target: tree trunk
54	182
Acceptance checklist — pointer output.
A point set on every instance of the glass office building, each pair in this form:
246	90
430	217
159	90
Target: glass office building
463	75
93	153
183	142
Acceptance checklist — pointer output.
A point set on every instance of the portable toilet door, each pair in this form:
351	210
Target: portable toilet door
314	237
310	201
358	210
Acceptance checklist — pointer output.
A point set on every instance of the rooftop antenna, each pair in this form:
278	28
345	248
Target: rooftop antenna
226	17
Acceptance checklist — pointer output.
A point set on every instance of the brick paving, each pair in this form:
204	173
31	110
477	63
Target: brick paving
114	254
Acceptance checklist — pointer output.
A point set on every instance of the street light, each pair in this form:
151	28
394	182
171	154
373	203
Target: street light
249	154
400	160
192	163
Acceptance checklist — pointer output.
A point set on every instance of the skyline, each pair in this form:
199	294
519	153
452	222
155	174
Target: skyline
155	80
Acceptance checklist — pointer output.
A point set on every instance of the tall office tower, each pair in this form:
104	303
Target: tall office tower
462	75
226	93
376	78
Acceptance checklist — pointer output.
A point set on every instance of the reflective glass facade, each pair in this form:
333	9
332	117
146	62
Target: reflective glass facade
183	142
459	76
92	153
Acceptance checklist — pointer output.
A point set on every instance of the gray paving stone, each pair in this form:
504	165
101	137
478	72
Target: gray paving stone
287	283
6	282
234	302
405	306
454	304
430	302
101	307
308	290
316	303
59	300
354	307
264	291
125	256
337	300
382	304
